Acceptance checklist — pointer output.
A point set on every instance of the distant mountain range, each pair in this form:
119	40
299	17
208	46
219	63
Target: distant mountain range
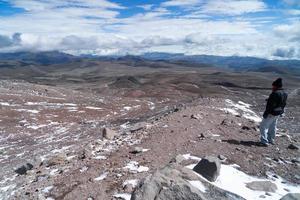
42	58
232	62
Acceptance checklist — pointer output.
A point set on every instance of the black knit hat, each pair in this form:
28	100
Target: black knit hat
277	83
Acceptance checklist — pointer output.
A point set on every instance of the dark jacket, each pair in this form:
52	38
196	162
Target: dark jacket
276	103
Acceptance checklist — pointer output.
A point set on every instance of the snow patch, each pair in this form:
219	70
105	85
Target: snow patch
47	189
189	157
100	158
93	108
231	176
26	110
124	196
134	167
101	177
242	107
133	182
127	108
199	185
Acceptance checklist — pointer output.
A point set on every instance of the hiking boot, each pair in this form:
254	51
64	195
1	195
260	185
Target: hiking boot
272	143
263	144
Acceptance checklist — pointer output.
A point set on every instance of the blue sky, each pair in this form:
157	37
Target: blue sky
261	28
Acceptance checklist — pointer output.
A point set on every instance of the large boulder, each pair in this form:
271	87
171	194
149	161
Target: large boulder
108	133
291	196
265	186
209	167
175	182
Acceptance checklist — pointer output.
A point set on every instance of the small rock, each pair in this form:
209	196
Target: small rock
137	150
265	186
197	116
268	194
56	160
108	133
291	196
201	136
262	196
82	155
176	110
226	122
296	160
24	168
246	128
138	126
293	147
178	159
128	188
221	157
209	167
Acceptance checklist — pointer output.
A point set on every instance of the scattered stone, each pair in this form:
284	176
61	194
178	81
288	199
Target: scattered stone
246	128
201	136
178	159
128	188
24	168
138	126
293	147
226	122
176	110
197	116
268	194
262	196
56	160
82	155
209	167
108	133
296	160
291	196
137	150
265	186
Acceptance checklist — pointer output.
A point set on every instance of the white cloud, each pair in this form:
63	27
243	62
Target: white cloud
293	11
290	32
146	7
233	7
39	5
292	2
173	3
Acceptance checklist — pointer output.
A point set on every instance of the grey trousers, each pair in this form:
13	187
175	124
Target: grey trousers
268	128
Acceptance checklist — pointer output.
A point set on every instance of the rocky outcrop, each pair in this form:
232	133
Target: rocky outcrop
174	182
209	167
167	183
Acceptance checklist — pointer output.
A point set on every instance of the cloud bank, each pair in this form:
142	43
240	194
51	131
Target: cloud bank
221	27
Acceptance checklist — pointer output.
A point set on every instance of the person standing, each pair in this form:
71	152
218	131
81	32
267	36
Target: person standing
274	109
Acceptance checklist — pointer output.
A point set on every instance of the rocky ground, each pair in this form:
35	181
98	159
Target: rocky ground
70	158
95	131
